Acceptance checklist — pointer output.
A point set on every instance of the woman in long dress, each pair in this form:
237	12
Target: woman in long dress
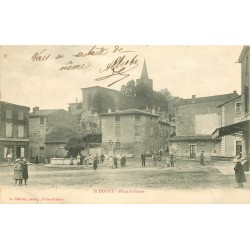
18	172
25	171
240	176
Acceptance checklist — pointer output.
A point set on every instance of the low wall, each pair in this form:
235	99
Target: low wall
62	161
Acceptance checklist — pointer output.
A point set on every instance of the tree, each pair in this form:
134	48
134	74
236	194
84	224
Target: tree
166	94
129	89
103	101
74	146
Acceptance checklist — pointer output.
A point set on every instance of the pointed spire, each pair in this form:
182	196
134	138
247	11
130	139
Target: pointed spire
144	73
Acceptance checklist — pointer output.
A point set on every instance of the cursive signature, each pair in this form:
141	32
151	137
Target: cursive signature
119	67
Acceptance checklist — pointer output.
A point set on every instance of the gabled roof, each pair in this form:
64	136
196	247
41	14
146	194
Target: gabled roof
129	112
230	100
190	138
44	112
8	103
214	98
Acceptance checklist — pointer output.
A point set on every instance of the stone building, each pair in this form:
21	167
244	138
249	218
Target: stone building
195	120
14	131
49	132
88	96
133	131
241	128
230	114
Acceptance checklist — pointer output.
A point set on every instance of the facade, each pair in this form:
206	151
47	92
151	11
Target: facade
49	132
133	131
195	120
241	128
14	131
88	96
230	114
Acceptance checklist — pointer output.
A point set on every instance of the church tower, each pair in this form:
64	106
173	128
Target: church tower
144	80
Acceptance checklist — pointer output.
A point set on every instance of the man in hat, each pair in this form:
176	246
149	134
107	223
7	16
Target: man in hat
202	159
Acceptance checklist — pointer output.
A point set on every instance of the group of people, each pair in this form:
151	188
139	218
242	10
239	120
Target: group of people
155	158
21	171
113	161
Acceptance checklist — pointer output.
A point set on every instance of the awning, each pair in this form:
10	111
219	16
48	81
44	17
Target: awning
233	129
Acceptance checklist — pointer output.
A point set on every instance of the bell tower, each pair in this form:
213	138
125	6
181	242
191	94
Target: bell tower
144	80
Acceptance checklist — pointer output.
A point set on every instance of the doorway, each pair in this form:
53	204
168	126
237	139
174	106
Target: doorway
238	149
193	151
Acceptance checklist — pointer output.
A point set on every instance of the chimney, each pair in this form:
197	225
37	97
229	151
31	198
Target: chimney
35	109
109	110
193	98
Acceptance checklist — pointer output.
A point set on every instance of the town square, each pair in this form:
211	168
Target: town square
124	131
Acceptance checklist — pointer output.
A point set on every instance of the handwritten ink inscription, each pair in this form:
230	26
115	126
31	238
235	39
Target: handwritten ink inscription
119	67
40	56
116	70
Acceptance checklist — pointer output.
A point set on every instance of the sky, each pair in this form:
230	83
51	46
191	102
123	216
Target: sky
183	70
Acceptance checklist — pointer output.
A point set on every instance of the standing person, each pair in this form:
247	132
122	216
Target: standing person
115	161
18	172
168	161
154	159
78	158
95	162
25	170
202	159
36	161
9	158
240	176
111	162
171	160
102	157
143	159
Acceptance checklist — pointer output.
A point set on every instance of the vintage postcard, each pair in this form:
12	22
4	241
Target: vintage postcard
124	124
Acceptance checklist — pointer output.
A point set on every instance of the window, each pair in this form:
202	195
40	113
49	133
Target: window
22	152
42	152
20	131
8	130
137	130
20	115
237	107
137	117
117	144
117	131
41	120
117	118
8	114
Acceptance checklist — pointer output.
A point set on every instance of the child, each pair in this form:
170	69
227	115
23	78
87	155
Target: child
168	161
111	162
